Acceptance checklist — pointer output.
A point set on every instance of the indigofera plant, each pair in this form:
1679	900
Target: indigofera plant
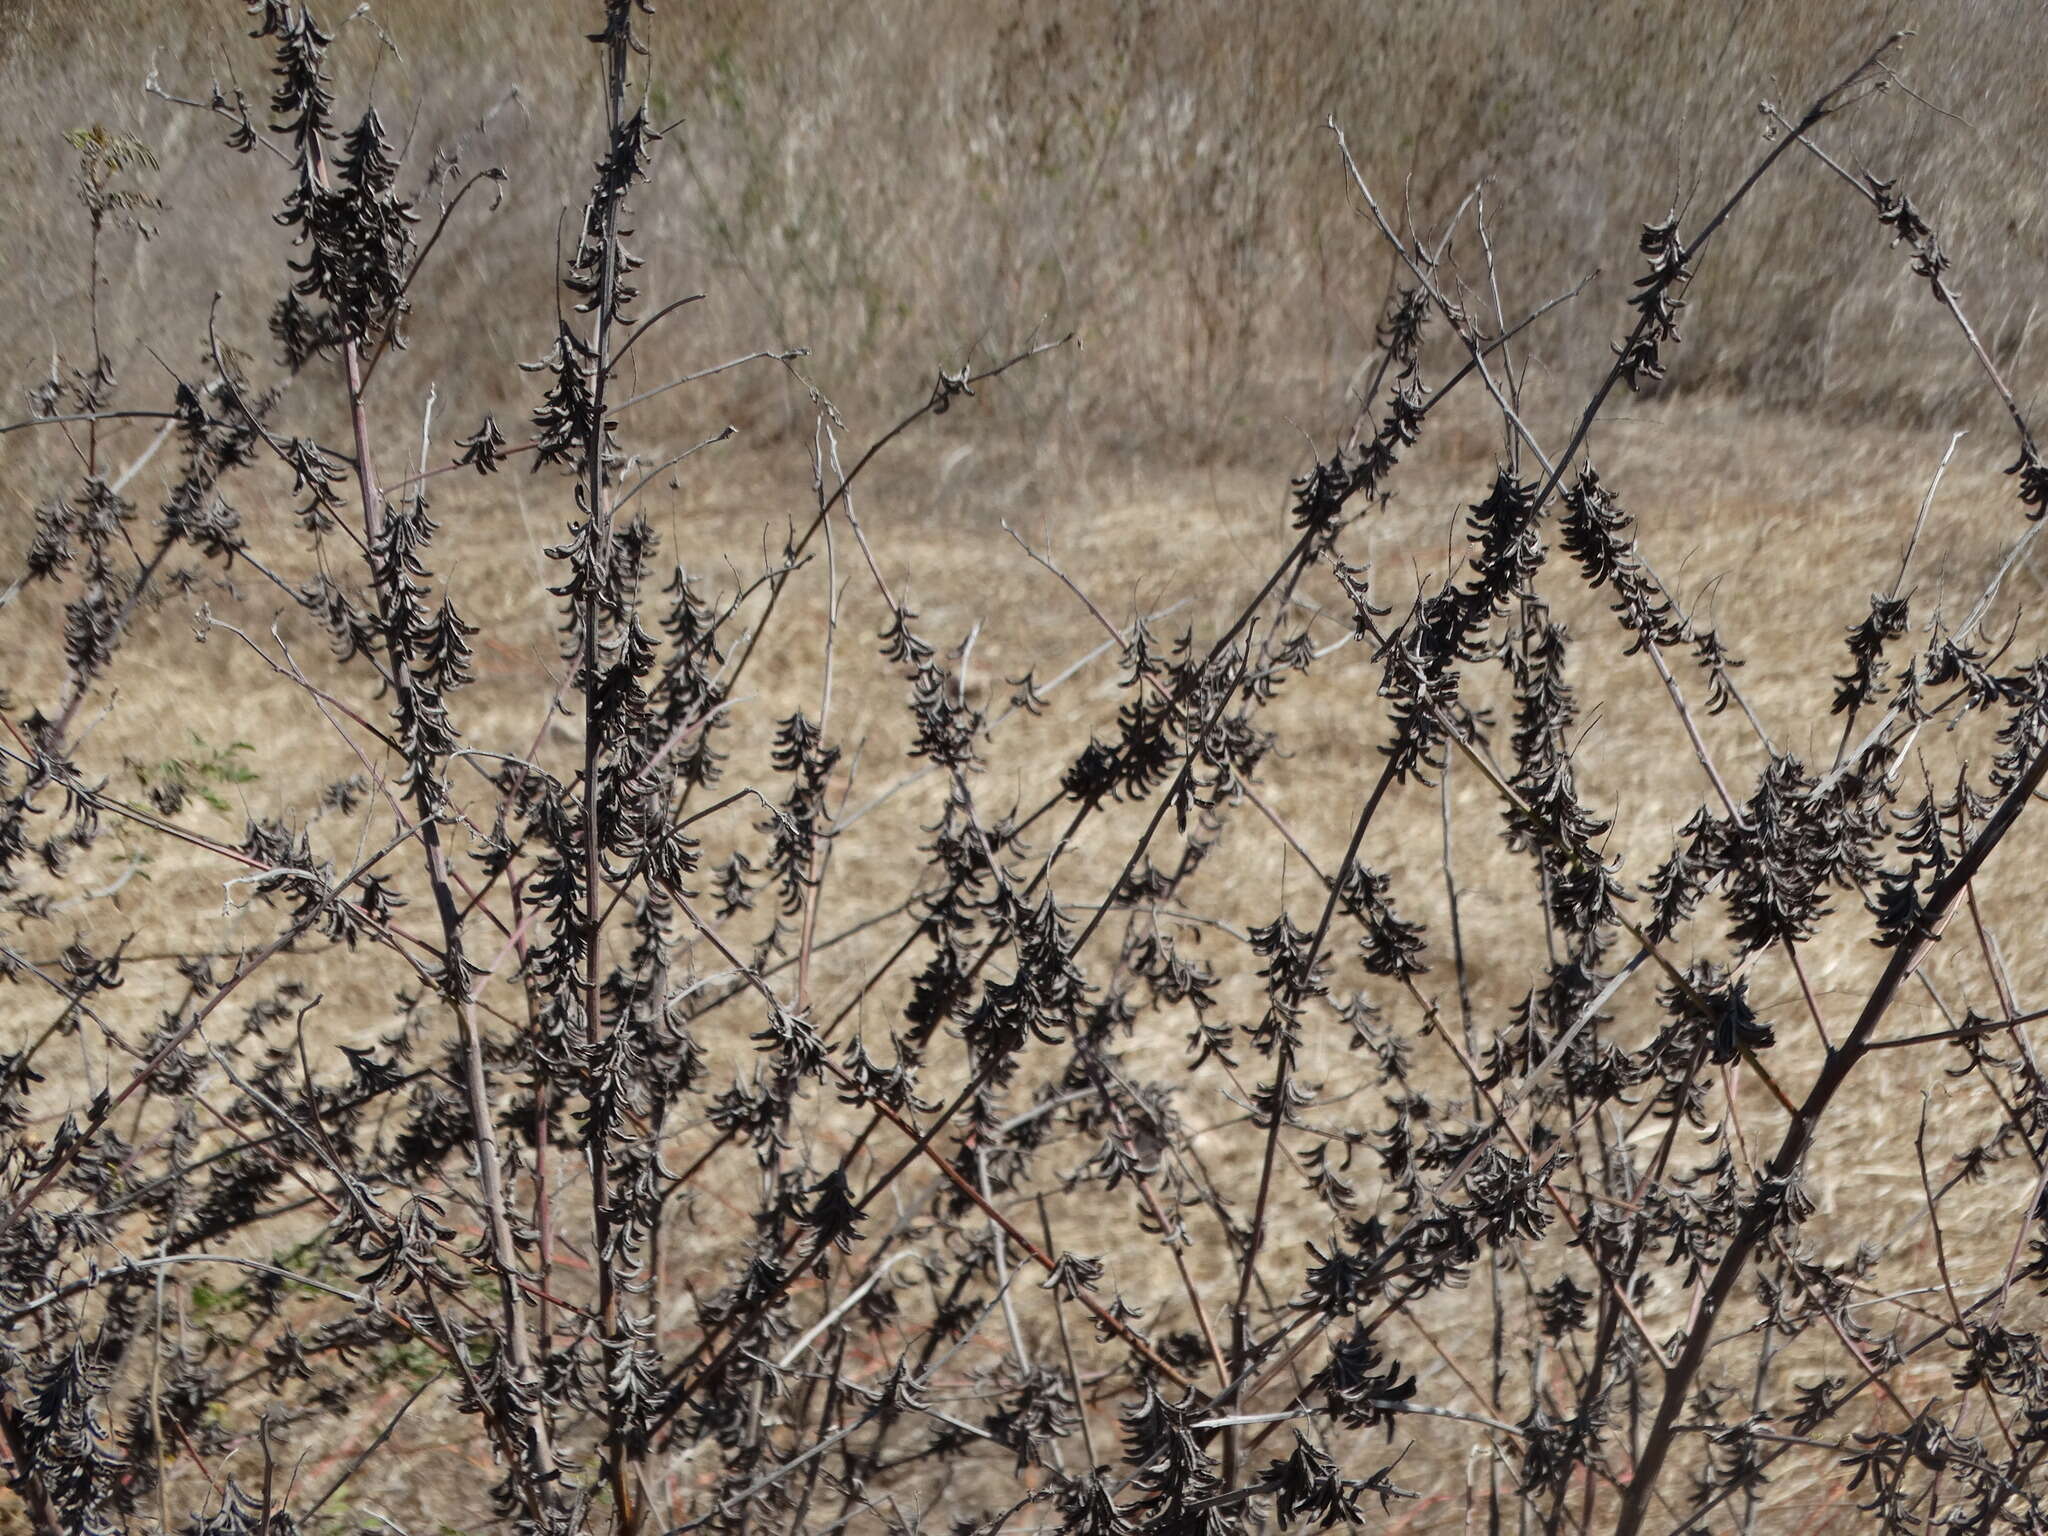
690	1222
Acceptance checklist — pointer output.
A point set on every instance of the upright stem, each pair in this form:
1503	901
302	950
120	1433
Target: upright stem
476	1086
1285	1055
617	46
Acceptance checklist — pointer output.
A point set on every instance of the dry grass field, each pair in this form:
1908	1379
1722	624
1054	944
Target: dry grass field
898	187
894	184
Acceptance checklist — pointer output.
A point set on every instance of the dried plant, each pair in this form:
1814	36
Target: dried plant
688	1222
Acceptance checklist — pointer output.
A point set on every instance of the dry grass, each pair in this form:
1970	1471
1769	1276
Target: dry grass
900	183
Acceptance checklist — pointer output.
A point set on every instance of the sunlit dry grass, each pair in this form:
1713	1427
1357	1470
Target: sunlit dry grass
895	184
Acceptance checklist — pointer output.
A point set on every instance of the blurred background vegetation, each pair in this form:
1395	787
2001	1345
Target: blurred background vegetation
901	184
